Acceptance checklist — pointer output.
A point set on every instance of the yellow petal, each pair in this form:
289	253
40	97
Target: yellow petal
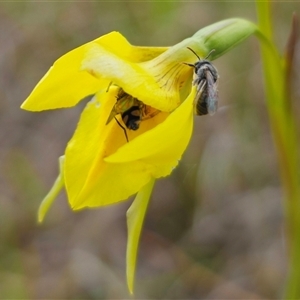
89	180
132	77
163	145
65	84
157	82
114	183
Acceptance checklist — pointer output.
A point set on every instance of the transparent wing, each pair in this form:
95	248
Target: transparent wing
212	93
200	98
124	103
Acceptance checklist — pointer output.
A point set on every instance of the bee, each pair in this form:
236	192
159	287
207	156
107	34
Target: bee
124	103
132	111
206	80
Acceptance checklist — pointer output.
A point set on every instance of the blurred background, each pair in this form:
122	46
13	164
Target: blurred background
214	228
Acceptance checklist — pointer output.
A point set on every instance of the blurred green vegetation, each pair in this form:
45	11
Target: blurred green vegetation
214	228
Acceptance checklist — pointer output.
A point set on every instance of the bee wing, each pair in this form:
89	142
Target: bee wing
200	102
113	113
123	103
200	89
212	93
149	113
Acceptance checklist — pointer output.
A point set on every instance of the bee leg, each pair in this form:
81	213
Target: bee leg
123	129
109	86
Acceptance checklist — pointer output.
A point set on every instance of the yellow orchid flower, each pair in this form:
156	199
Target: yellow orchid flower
104	161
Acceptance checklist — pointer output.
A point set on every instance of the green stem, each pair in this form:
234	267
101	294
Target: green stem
283	126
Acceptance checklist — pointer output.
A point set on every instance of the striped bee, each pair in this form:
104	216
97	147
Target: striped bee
206	80
132	111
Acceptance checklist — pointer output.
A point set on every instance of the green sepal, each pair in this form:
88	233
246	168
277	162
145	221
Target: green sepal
53	193
135	219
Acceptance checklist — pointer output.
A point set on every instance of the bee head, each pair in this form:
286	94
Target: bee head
202	63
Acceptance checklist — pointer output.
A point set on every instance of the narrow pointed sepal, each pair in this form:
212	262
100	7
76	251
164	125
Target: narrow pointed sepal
53	193
135	219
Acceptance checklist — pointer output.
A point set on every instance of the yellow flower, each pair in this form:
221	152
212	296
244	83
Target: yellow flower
110	168
104	161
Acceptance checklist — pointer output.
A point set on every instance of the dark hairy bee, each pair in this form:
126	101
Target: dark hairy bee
206	80
124	102
132	111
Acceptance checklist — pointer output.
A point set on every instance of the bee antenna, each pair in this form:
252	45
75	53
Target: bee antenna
194	52
109	86
210	52
123	129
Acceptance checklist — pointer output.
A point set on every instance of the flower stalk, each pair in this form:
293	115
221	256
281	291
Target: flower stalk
283	124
